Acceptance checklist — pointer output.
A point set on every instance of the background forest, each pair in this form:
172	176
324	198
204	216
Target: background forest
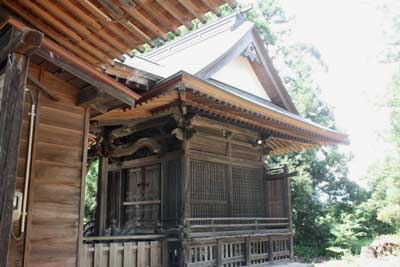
333	216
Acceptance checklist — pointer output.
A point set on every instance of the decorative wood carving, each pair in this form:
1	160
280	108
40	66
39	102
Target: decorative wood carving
129	149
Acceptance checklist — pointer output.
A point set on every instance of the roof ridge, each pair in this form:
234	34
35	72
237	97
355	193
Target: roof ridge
235	19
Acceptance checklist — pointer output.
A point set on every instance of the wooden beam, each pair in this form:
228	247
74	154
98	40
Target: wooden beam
173	11
192	8
118	15
25	42
64	30
78	26
11	112
105	21
47	91
50	32
89	96
58	61
231	3
154	28
210	4
158	15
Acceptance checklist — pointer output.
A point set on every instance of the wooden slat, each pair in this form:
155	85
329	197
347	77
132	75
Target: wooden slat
212	6
141	254
173	11
44	27
155	255
84	256
62	28
128	255
107	23
192	8
98	255
132	11
118	15
81	29
155	12
113	257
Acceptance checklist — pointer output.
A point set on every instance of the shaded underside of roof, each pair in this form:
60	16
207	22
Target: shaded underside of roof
99	31
287	132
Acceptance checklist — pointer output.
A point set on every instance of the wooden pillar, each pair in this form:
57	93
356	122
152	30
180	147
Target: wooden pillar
18	49
289	208
102	185
83	185
230	181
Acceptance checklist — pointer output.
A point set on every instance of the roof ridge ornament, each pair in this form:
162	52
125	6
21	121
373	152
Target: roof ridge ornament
251	54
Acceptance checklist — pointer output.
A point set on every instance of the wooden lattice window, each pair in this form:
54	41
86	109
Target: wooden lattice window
208	189
247	192
171	202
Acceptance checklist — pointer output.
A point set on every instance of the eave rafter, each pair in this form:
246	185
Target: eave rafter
202	98
99	31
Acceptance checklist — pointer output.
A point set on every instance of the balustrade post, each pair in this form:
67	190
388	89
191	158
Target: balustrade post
219	253
248	251
271	249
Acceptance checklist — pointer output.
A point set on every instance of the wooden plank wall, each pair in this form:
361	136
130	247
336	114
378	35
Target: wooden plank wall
277	198
129	254
53	220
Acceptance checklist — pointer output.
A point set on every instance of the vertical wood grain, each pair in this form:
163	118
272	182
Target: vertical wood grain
11	109
83	185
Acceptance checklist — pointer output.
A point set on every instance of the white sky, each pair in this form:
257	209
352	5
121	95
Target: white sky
349	36
348	33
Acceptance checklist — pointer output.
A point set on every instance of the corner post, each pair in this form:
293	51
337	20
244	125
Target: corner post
289	208
19	47
102	185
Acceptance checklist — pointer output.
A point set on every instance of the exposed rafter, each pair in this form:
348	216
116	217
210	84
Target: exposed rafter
99	31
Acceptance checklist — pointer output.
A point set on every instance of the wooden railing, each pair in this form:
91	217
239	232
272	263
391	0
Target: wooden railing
120	252
234	224
243	251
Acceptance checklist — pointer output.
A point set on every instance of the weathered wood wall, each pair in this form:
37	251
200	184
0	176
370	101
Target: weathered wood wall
126	254
52	234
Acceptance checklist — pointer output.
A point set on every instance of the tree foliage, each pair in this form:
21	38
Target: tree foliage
91	190
330	212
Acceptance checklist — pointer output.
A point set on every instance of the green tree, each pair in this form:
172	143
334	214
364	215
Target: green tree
323	198
91	190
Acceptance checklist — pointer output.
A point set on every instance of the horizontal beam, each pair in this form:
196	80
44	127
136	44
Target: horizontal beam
76	66
23	42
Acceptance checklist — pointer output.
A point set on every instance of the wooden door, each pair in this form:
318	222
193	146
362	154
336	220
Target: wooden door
277	197
142	197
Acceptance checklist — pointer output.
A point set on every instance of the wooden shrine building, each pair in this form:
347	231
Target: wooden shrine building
181	134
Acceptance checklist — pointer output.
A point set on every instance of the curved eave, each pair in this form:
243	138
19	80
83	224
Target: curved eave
204	96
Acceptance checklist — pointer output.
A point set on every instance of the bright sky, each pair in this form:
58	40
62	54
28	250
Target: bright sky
349	36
